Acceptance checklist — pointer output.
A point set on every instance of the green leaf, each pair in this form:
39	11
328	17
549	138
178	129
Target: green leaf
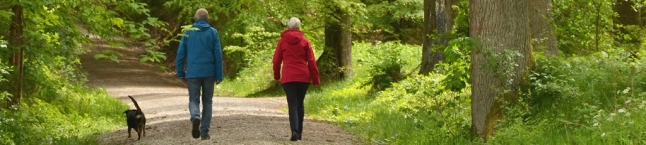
117	22
144	59
100	56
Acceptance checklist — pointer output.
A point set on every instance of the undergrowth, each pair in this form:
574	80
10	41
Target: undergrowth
58	109
593	99
77	117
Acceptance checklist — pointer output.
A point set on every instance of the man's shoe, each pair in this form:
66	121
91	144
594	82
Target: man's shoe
299	136
196	128
206	137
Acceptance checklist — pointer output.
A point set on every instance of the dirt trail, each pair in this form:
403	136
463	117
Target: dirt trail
164	100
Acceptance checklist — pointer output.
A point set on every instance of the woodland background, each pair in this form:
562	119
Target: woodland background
395	71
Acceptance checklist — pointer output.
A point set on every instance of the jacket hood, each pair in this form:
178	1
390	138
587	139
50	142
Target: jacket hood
292	36
202	25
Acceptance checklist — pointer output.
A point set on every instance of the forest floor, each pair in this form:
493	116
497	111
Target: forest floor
164	100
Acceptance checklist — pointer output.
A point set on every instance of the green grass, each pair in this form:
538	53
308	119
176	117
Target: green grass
56	107
595	99
76	117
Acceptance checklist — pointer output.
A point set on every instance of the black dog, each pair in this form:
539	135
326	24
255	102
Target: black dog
136	120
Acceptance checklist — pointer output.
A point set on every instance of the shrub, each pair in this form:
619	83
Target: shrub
386	64
586	99
429	112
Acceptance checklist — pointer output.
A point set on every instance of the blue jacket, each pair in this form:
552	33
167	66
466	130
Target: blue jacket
201	51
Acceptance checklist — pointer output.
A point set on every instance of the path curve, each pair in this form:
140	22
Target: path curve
164	101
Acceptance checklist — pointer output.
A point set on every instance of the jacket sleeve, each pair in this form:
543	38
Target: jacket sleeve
181	57
311	64
278	60
219	70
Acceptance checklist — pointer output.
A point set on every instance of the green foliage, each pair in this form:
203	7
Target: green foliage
153	56
56	108
75	117
4	73
461	22
397	18
386	68
586	100
3	43
249	65
109	55
426	105
255	77
417	110
456	64
583	26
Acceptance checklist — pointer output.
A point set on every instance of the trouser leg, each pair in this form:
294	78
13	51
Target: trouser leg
291	91
194	87
207	104
302	90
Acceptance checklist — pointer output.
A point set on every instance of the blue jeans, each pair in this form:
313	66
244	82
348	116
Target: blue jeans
206	86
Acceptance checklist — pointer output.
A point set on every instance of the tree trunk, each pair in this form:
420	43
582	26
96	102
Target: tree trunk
429	57
346	46
336	60
437	13
16	42
499	26
540	17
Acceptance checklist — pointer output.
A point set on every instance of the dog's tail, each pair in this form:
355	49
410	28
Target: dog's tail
136	105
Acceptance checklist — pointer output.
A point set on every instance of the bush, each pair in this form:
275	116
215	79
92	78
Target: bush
75	118
588	100
385	63
429	112
252	43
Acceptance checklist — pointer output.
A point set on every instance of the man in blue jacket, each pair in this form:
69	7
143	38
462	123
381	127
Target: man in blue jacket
201	51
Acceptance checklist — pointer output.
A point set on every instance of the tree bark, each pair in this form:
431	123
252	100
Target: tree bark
499	26
438	16
15	42
336	60
346	46
542	31
429	57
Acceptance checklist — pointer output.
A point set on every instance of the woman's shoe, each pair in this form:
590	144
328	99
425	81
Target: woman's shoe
295	136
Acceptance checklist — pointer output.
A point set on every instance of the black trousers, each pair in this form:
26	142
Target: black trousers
295	92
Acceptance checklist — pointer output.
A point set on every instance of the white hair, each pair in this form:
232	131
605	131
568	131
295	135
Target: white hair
294	23
201	14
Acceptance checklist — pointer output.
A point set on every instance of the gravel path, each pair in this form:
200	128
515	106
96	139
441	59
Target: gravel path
164	100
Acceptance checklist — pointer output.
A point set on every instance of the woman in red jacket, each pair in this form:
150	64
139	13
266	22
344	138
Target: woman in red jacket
299	69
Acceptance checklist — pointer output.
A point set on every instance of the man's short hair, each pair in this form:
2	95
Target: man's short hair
294	23
201	14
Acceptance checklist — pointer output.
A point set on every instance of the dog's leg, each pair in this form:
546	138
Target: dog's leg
138	134
144	128
129	132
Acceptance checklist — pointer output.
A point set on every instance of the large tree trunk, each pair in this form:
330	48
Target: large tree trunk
336	60
542	31
16	42
429	57
499	26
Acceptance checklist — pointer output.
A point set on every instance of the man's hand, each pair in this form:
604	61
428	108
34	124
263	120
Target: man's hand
183	79
217	82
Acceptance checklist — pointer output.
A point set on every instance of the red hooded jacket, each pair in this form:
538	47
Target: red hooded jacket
295	54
